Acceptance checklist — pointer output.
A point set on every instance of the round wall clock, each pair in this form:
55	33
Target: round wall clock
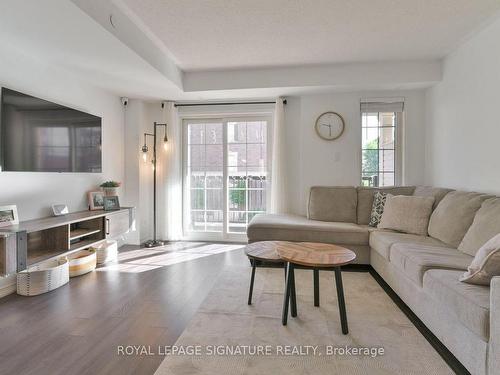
329	125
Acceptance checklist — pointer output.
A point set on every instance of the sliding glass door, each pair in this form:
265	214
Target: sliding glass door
225	175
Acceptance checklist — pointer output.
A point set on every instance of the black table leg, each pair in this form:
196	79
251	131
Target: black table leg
286	297
252	278
340	296
293	296
316	287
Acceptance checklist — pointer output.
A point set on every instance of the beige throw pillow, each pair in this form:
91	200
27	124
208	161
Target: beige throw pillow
485	265
486	225
408	214
454	215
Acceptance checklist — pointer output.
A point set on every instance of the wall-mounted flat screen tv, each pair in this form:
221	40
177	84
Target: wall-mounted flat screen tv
40	136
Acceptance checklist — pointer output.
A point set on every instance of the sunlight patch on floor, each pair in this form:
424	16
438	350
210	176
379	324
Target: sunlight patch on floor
146	259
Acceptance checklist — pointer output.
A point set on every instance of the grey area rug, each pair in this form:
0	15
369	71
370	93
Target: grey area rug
235	332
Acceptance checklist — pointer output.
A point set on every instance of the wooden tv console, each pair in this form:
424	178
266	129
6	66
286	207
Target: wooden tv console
33	241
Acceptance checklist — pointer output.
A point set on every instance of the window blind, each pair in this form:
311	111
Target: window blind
382	106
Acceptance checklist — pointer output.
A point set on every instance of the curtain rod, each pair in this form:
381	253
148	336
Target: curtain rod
227	103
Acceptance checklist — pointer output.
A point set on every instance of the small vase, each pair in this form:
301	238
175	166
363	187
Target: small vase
110	191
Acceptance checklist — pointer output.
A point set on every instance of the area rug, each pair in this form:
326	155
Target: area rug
226	336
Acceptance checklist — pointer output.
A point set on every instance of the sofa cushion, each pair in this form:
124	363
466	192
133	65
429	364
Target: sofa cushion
454	215
365	199
485	226
381	241
415	259
407	214
469	303
331	203
429	191
267	227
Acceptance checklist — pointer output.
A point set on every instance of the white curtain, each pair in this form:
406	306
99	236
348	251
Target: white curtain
170	178
278	161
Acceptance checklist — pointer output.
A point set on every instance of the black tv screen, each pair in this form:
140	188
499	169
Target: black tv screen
39	136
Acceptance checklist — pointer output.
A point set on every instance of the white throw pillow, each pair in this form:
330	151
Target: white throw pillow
485	265
408	214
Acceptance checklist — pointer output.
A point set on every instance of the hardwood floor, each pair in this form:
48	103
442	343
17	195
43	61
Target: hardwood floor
146	299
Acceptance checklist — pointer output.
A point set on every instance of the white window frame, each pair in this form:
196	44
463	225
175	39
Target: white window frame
399	178
224	118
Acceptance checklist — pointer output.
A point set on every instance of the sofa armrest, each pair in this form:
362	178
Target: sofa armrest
494	344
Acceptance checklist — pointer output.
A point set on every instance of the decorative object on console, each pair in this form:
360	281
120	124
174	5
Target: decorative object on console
8	215
485	264
107	251
154	242
110	188
43	277
60	209
96	200
396	216
82	262
329	125
379	199
111	203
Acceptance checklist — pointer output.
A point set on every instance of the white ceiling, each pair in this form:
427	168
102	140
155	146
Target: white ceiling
228	34
143	54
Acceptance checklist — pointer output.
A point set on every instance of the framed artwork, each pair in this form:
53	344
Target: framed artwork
111	203
8	215
96	200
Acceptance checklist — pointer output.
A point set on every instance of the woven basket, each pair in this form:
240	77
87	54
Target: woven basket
107	251
43	277
82	262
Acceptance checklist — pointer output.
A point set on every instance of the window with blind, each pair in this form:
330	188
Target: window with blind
381	146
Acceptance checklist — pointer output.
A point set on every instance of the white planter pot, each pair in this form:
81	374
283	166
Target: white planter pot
110	191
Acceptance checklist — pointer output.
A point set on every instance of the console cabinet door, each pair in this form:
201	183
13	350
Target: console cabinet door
117	224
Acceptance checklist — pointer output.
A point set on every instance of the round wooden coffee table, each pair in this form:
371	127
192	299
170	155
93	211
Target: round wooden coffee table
262	252
314	255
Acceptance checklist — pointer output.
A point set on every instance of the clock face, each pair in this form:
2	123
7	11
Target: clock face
329	125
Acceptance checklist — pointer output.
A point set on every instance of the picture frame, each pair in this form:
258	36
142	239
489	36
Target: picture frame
60	209
111	203
96	200
8	215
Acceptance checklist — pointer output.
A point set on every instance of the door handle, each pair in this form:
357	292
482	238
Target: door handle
107	226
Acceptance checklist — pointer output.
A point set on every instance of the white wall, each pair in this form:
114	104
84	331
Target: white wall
34	193
313	161
139	118
463	123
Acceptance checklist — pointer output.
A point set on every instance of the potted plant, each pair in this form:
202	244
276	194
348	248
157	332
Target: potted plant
110	188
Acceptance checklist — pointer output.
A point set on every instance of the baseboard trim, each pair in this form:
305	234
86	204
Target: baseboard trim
442	350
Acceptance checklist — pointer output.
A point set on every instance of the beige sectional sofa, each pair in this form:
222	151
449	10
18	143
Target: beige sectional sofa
423	270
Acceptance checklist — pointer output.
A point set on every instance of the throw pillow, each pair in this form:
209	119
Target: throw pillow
485	264
408	214
486	224
377	208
